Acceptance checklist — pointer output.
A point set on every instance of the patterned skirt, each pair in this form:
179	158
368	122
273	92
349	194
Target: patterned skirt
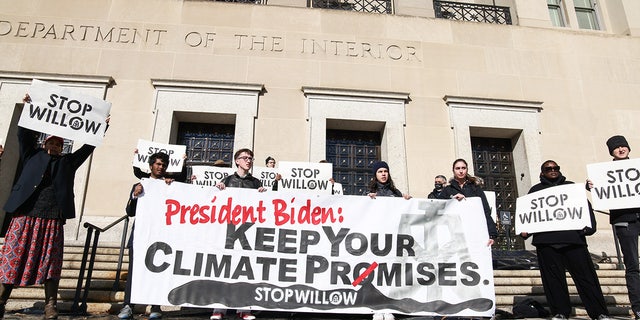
32	251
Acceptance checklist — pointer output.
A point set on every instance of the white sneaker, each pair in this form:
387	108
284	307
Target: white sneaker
246	316
378	316
216	316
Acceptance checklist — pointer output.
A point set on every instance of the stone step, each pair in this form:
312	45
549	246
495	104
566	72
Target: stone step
510	286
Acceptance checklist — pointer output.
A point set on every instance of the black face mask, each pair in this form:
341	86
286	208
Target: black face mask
438	186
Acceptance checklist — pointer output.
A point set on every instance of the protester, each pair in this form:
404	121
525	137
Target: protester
627	229
242	178
270	162
558	251
158	163
381	185
439	183
40	203
463	185
180	176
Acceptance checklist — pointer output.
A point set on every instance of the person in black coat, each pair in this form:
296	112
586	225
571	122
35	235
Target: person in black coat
158	163
463	186
558	251
242	178
381	184
626	223
40	202
439	183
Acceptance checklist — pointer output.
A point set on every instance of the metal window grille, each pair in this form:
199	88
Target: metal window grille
472	12
370	6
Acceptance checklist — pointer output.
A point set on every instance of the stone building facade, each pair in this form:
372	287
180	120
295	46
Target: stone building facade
506	83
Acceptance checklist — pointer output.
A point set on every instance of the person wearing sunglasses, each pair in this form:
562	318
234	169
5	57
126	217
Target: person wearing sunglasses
558	251
242	178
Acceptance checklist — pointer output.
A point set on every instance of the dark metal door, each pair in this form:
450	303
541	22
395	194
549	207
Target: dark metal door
206	142
352	154
493	162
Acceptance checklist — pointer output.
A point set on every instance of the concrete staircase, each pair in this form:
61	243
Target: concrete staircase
511	286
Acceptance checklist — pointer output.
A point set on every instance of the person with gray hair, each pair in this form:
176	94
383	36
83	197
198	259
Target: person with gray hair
439	184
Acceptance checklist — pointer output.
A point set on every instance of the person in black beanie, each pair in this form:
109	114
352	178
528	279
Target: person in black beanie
618	147
627	228
558	251
381	184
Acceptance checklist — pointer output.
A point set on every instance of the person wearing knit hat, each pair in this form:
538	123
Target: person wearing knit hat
377	165
618	147
627	229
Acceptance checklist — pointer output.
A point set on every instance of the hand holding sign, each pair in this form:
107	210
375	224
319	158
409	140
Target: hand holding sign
146	148
615	184
64	112
559	208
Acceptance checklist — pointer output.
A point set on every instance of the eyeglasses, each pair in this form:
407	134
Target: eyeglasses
459	168
245	158
549	169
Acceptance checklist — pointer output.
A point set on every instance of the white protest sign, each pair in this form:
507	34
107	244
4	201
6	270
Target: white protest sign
243	249
337	188
147	148
65	112
558	208
210	175
266	175
616	184
305	176
491	199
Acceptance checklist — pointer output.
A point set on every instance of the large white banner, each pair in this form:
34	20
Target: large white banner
616	184
558	208
65	112
147	148
209	175
305	177
301	252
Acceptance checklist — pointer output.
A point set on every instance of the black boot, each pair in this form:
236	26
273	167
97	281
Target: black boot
5	292
51	298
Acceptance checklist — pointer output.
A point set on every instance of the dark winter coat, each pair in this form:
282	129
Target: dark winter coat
561	238
34	163
469	190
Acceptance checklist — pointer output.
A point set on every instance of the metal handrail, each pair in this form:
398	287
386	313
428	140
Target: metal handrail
77	306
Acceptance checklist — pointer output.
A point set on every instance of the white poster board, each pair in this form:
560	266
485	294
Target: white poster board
209	175
65	112
558	208
616	184
147	148
305	177
242	249
266	175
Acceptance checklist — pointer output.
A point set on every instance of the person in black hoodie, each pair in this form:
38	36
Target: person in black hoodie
558	251
463	186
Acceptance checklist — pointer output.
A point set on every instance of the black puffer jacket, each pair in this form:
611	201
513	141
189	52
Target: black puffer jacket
469	190
561	238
